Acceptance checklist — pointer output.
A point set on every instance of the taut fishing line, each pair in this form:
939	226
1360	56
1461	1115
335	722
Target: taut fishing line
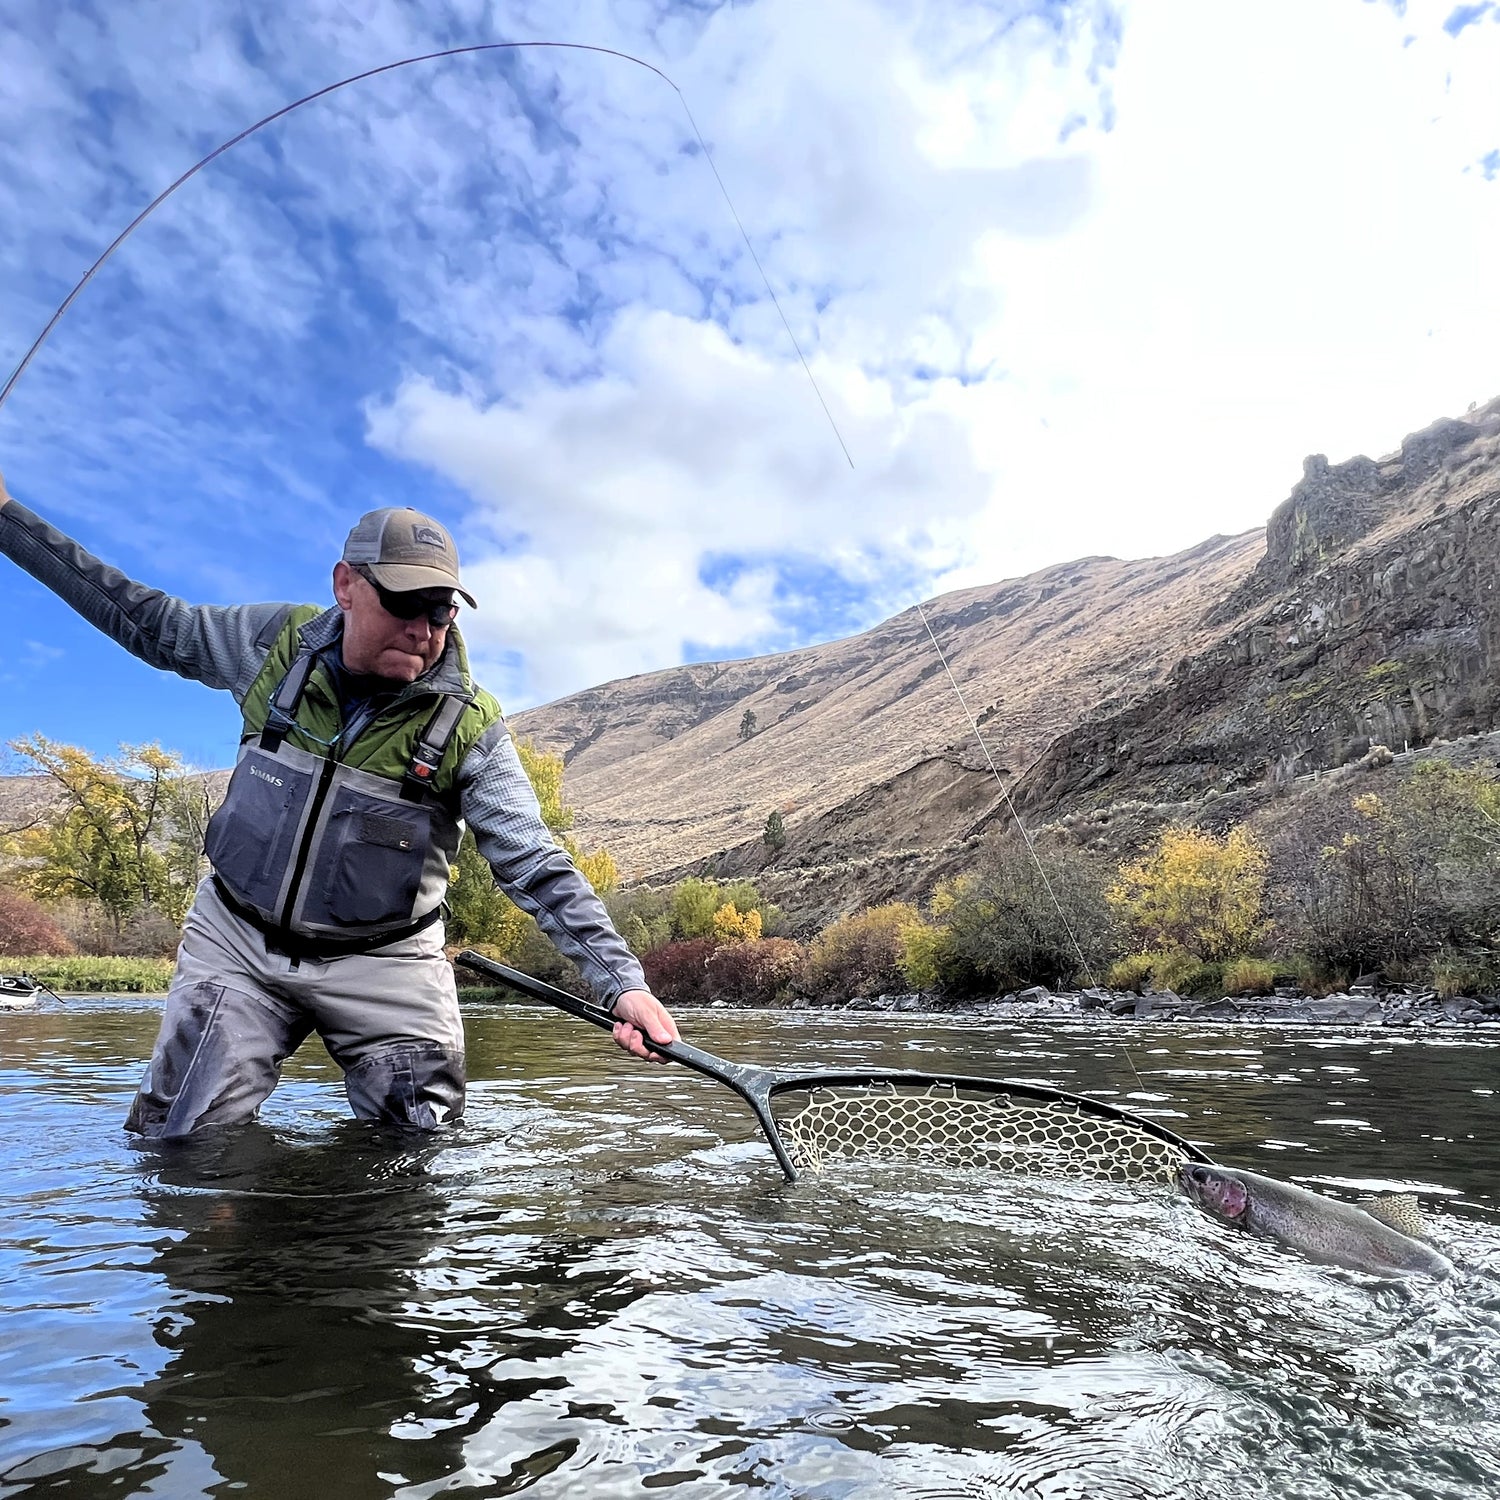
954	1119
407	62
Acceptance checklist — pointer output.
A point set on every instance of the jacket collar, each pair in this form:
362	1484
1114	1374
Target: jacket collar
450	673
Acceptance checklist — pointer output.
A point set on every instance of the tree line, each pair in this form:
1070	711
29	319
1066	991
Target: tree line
1393	876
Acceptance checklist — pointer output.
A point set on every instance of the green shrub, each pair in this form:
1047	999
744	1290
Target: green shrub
1175	970
1249	976
1465	971
692	903
1131	972
1009	924
98	976
642	916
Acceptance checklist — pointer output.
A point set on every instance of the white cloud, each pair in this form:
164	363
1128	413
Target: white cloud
608	497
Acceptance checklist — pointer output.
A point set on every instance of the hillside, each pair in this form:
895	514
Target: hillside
1110	693
1364	611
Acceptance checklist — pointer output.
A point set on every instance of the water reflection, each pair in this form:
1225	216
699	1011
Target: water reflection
287	1307
601	1286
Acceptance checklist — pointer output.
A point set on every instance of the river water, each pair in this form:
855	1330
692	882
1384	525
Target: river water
600	1284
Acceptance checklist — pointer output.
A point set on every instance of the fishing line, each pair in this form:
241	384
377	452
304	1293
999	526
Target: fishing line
405	62
1041	869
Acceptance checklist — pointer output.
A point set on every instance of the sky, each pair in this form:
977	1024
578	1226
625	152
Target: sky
1072	279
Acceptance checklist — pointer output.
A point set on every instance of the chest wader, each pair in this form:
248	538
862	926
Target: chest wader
326	861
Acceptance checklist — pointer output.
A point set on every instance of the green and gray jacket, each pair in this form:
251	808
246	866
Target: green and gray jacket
332	832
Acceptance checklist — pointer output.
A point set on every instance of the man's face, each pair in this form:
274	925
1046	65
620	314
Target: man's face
376	641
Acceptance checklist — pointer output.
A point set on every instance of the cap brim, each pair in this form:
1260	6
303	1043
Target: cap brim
407	578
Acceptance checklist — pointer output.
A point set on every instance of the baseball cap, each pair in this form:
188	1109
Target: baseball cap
405	550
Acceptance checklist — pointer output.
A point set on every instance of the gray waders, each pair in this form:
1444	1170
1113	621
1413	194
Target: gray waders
238	1009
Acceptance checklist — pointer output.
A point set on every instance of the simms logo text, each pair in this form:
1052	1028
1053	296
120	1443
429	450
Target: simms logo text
265	776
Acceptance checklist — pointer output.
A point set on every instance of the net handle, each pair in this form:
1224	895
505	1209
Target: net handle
757	1086
752	1084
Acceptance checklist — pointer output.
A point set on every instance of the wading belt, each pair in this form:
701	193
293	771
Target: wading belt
295	946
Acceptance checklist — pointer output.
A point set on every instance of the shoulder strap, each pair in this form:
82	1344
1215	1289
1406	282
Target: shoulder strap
281	712
432	745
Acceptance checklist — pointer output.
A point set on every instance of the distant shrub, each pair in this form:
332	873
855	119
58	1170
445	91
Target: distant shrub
1175	970
692	904
642	916
1457	971
25	928
923	951
1249	976
1196	892
1131	972
1009	923
759	972
678	972
734	926
148	934
1380	880
859	955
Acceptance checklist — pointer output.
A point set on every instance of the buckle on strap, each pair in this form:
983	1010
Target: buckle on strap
281	711
432	746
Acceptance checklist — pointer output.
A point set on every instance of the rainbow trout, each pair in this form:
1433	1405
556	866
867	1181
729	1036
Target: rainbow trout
1382	1237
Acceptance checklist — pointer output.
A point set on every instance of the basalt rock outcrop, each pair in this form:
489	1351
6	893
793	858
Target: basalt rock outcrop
1365	613
1371	618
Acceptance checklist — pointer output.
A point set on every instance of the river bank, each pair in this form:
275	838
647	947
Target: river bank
1354	1008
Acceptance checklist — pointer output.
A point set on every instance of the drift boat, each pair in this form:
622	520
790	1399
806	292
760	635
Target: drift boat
17	991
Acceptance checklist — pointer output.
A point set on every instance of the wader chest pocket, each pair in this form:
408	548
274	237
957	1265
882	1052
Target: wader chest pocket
369	863
251	838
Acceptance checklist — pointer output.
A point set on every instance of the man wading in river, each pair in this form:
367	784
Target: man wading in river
366	748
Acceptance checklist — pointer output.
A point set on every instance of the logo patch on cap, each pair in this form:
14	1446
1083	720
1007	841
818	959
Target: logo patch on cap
429	534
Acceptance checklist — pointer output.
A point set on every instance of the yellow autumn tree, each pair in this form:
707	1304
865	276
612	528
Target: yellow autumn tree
124	831
1197	892
482	914
731	925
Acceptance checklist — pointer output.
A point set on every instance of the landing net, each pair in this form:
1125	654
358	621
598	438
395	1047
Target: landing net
944	1125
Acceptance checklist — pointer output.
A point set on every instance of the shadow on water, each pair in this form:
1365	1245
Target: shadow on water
303	1354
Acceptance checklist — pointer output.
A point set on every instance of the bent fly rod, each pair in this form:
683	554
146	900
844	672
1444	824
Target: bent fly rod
390	67
812	1116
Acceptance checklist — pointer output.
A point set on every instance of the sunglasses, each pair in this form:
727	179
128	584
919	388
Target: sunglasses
411	606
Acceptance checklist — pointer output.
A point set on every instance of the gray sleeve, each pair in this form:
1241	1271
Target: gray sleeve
499	805
220	645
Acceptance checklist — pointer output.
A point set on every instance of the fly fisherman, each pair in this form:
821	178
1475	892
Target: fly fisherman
366	748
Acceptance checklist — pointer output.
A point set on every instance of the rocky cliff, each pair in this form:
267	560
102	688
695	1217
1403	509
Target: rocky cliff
1371	617
1365	612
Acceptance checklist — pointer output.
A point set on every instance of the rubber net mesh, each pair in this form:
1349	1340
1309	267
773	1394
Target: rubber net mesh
941	1124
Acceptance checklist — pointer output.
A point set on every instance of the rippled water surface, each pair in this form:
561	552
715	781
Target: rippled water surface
600	1285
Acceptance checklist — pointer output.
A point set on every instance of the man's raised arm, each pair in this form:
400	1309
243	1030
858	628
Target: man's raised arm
220	645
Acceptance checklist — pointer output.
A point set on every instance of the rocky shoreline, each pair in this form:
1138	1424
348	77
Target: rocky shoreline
1359	1007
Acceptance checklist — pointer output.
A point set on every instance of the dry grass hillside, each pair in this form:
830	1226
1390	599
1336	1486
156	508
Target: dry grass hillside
1365	611
659	773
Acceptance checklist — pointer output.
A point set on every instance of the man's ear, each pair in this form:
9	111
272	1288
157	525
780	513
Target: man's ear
343	584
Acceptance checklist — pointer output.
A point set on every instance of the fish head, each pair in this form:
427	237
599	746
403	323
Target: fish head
1215	1190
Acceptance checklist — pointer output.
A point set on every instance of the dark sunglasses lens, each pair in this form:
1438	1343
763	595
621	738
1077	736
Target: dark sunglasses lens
414	607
